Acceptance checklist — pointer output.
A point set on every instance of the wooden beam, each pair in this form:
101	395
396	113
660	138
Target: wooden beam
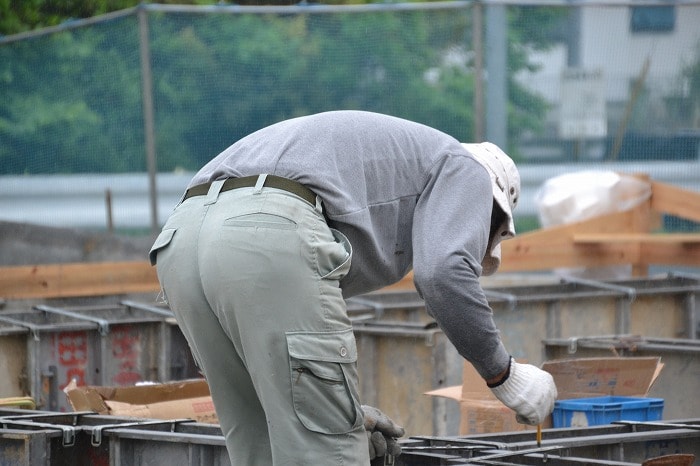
77	279
672	200
670	253
612	239
668	238
554	247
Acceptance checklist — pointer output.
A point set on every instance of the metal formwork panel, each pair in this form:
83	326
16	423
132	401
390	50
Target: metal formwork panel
42	438
398	362
58	348
13	354
664	307
92	345
624	443
23	448
177	360
526	315
679	381
399	306
130	341
33	438
29	438
151	447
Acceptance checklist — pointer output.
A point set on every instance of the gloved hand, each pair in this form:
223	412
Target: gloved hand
382	433
527	390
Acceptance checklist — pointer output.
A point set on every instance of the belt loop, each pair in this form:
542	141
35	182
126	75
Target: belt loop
260	183
213	193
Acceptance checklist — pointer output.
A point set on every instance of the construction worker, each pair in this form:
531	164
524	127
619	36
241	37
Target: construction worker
272	235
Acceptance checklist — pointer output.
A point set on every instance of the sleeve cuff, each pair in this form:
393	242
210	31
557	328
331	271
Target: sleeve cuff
505	376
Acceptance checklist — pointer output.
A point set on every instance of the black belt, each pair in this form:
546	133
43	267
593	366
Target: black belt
271	181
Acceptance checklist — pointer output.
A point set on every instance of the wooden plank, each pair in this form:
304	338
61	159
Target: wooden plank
675	201
95	279
686	254
669	238
77	279
613	239
554	247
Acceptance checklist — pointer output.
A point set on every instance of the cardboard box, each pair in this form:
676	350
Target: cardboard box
589	377
187	399
481	412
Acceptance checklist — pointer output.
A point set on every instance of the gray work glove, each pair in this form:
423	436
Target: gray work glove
382	433
527	390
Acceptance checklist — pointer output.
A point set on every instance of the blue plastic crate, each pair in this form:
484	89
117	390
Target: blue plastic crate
583	412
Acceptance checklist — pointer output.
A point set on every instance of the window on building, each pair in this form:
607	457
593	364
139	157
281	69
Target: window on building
653	19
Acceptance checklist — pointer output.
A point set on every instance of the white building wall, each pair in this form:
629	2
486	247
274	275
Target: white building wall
606	42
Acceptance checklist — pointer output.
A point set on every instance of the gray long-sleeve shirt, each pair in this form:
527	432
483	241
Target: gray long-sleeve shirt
405	195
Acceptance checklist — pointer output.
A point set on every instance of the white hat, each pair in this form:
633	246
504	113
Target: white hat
505	184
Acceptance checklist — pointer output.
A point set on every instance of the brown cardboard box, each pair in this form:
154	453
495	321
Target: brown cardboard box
589	377
187	399
481	412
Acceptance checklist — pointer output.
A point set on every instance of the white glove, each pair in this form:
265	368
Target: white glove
527	390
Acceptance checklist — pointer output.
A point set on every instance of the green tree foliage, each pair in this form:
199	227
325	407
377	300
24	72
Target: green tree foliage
65	101
71	101
260	69
24	15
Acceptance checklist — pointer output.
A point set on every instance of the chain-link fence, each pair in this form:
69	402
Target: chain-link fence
143	97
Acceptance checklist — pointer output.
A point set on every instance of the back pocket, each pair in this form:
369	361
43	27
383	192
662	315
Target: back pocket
261	220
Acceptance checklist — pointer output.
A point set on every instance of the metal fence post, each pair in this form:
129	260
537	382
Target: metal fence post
148	119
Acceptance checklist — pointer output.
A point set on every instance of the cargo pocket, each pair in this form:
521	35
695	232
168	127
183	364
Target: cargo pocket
162	241
323	377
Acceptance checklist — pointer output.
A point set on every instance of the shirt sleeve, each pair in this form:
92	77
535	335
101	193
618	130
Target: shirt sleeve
450	238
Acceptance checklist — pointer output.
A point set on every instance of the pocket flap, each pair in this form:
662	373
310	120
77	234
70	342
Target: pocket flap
323	346
162	240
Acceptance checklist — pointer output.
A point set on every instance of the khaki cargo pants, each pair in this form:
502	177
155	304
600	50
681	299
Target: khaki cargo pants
252	277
